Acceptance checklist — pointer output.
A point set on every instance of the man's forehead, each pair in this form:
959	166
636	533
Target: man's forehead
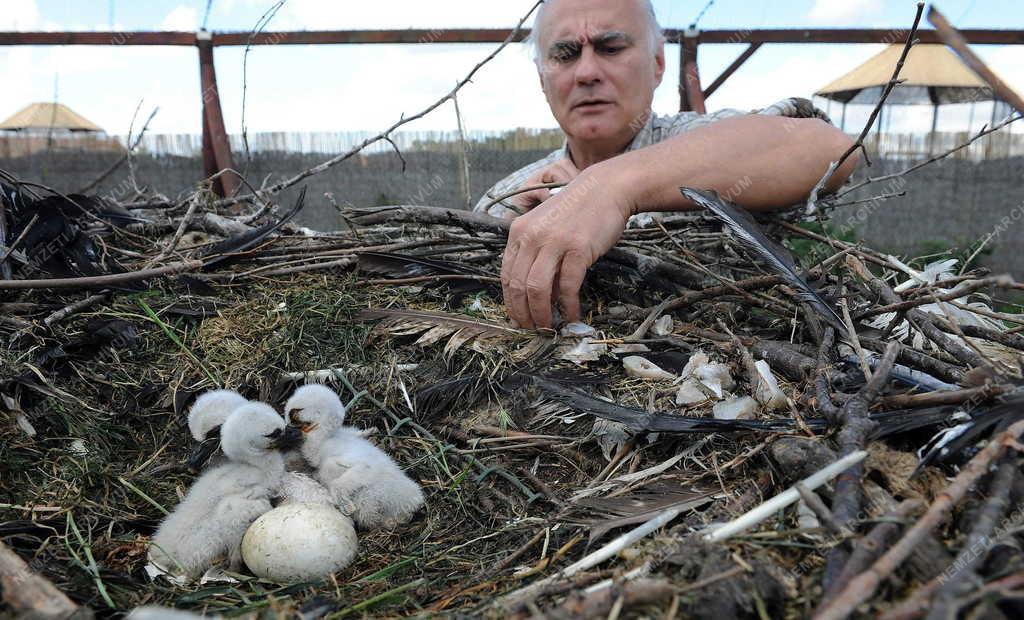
590	19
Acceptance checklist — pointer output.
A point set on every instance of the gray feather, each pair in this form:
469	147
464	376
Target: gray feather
749	232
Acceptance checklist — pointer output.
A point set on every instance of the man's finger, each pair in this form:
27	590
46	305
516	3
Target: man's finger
570	281
515	267
538	286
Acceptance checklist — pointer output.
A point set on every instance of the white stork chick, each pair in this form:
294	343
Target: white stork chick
210	522
363	481
205	418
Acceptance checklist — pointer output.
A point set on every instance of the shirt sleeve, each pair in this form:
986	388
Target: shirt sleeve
793	107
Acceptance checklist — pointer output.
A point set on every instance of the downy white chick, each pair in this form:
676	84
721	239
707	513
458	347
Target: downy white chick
210	522
205	418
361	478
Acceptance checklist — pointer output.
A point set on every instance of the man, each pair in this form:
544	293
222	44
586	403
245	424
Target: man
599	62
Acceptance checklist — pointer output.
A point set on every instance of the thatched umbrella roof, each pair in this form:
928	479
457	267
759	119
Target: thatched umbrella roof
932	75
48	116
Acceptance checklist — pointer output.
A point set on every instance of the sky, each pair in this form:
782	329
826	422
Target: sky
368	87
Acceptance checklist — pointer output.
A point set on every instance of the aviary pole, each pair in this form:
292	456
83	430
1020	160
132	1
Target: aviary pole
216	148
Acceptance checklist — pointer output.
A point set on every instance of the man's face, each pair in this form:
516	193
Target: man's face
597	68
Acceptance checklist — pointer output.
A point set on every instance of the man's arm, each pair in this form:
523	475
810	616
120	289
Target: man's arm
758	162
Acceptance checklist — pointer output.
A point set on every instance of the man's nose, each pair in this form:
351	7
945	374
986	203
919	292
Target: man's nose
588	69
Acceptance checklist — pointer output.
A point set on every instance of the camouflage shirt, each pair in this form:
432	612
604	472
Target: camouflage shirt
656	129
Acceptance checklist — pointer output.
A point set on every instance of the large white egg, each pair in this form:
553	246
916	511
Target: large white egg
299	542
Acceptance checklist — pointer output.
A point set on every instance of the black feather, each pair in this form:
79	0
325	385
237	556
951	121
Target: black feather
951	442
405	266
228	248
747	230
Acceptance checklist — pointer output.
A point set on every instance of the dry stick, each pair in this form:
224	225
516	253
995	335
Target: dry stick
32	595
76	307
856	428
5	269
859	144
17	242
921	320
820	510
965	577
821	385
101	281
915	167
117	164
938	399
851	331
960	291
273	189
954	39
178	234
864	586
516	192
867	549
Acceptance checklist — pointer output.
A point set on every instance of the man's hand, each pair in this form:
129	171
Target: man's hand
550	248
561	171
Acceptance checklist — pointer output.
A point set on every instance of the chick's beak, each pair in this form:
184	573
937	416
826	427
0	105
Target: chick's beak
290	439
202	454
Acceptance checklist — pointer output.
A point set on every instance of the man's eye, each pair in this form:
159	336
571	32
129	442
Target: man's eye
611	51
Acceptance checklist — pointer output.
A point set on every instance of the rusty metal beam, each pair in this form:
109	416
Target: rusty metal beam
98	38
854	35
476	35
742	58
215	135
691	97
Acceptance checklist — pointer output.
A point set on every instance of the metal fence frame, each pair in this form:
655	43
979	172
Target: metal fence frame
217	150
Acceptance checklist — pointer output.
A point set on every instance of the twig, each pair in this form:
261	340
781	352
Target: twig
520	190
856	428
261	23
867	549
864	586
821	385
920	320
820	510
121	160
5	269
859	144
964	577
178	234
384	134
514	599
78	306
954	39
780	501
917	166
101	281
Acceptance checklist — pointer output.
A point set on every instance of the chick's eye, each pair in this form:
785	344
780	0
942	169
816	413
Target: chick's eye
275	434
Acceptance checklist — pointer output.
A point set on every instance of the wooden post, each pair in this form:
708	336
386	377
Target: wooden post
216	147
691	96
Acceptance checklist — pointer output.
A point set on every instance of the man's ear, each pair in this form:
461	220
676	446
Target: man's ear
659	62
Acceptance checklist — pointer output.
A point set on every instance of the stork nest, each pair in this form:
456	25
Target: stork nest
529	458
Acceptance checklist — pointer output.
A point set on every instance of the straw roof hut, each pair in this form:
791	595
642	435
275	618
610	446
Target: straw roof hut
932	75
48	117
51	126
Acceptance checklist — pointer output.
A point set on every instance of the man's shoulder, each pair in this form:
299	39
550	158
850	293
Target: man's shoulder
512	182
670	125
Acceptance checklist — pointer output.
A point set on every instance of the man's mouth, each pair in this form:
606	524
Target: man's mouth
590	104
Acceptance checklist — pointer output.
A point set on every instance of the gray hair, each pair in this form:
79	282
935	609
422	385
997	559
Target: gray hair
654	34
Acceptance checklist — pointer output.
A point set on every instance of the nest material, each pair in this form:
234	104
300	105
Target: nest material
526	458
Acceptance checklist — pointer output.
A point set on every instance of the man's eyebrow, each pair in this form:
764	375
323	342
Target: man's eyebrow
604	38
613	36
